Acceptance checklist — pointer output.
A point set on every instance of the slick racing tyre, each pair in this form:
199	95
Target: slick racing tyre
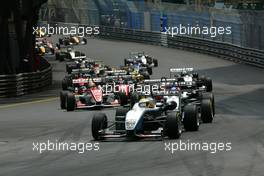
63	95
155	61
190	120
99	123
207	82
123	98
146	75
69	68
149	70
57	56
206	111
70	102
61	41
134	98
126	62
84	41
173	126
64	84
210	96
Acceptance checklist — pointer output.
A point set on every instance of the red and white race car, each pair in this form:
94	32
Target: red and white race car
87	95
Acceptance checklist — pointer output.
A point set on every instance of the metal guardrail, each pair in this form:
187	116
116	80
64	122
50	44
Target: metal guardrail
219	49
25	83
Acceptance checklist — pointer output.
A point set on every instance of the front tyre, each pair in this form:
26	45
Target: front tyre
206	111
173	127
70	102
63	95
150	70
99	123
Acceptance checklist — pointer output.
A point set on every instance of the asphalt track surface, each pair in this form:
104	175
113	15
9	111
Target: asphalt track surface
239	93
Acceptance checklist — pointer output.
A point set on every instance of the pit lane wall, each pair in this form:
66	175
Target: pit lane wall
26	83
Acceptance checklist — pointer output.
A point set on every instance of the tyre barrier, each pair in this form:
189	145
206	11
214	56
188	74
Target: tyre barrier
25	83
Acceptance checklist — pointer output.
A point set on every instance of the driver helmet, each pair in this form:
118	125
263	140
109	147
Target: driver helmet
91	84
69	49
147	103
173	88
83	88
140	55
184	73
96	69
120	80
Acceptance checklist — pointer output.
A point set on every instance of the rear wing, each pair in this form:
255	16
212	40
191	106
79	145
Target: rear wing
162	80
117	72
80	80
175	71
170	82
179	70
78	57
81	70
133	53
86	80
117	77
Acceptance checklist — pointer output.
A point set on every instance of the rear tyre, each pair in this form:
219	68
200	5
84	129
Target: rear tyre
70	102
208	84
146	75
99	123
60	41
155	61
63	95
133	99
52	51
190	120
173	127
206	111
57	56
149	70
64	84
123	98
210	96
84	41
125	62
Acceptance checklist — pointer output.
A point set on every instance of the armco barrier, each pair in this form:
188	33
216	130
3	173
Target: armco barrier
219	49
25	83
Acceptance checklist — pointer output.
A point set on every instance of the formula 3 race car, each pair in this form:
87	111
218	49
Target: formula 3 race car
188	75
72	40
149	118
140	59
44	46
87	98
68	53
